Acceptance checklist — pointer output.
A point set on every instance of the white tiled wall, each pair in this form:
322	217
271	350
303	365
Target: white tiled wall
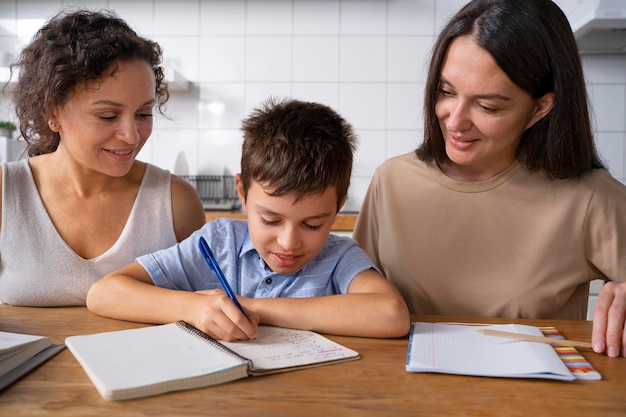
366	58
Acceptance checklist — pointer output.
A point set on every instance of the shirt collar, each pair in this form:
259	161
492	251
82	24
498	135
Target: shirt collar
246	246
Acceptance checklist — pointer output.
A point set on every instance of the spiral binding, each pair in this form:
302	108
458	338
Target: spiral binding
199	333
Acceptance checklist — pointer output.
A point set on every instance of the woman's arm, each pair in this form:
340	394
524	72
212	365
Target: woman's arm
186	208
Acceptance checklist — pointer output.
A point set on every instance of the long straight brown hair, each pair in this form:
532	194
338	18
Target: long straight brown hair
532	42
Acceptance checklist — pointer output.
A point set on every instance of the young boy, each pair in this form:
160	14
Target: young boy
283	263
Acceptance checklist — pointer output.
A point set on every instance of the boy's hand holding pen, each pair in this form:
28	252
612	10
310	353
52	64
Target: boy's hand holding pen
207	254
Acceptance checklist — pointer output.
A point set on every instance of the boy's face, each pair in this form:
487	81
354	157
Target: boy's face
288	234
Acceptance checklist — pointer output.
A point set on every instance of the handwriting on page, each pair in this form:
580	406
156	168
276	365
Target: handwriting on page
277	347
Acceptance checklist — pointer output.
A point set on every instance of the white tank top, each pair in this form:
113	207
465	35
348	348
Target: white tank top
38	268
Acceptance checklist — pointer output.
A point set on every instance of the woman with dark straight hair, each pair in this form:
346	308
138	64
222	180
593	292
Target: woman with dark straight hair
505	210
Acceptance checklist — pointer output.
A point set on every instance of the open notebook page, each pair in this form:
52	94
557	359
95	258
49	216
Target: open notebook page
460	349
278	348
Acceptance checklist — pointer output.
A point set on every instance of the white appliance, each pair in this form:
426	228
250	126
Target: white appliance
600	26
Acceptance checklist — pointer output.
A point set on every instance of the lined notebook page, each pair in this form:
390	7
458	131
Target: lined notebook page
460	349
276	348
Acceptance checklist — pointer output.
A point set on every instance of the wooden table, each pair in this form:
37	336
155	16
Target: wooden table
375	385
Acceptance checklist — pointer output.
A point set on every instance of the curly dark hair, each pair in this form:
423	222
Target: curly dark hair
297	147
74	47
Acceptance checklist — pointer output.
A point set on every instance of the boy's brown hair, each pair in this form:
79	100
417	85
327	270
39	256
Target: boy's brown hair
297	147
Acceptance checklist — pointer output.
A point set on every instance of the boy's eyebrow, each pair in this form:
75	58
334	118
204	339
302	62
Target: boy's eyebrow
319	216
273	213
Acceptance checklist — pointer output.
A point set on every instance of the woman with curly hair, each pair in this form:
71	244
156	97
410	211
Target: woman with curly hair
81	205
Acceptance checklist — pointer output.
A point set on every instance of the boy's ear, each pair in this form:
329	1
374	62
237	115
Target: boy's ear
240	192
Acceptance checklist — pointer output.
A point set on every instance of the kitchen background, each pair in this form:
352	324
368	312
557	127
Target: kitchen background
365	58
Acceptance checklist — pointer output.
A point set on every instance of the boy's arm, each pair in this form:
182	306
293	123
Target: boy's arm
129	294
373	307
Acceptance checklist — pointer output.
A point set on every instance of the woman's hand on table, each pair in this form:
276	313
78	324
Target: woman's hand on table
609	320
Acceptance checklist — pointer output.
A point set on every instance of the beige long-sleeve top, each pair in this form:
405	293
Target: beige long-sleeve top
516	245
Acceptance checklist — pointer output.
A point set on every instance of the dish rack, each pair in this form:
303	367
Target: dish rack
217	192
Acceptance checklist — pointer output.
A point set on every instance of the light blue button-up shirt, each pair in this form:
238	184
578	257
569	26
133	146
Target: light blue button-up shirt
182	266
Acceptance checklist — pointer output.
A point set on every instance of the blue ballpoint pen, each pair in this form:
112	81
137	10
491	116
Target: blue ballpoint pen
210	260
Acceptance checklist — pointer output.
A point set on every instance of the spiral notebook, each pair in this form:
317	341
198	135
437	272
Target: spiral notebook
135	363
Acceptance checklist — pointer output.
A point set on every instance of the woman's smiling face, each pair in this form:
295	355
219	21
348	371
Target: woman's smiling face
481	112
105	122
